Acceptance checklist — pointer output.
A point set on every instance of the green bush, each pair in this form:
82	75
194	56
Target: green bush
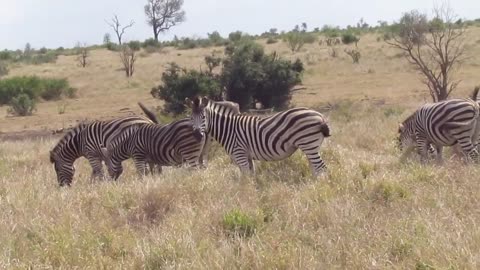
237	223
151	42
3	69
22	105
35	88
271	40
250	75
112	47
178	84
349	38
55	88
135	45
6	55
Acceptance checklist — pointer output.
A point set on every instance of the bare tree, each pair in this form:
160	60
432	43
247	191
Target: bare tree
118	28
163	15
435	48
83	54
128	57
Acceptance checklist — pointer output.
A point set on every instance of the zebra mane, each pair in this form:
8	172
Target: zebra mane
224	107
65	139
408	120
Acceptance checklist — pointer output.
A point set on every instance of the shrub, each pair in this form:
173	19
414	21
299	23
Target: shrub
216	39
22	105
3	69
237	223
235	36
53	88
38	59
112	47
151	42
349	38
271	40
135	45
250	75
354	54
178	84
6	55
35	88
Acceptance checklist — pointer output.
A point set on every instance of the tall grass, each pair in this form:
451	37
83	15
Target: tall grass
369	211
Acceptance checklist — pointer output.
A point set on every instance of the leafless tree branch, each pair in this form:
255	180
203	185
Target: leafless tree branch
118	28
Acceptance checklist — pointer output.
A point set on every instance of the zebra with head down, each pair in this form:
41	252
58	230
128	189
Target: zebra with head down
446	123
86	140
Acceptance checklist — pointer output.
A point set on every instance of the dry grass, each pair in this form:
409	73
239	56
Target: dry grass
369	211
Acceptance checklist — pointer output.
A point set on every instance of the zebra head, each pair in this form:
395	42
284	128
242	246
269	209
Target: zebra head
198	116
64	170
405	139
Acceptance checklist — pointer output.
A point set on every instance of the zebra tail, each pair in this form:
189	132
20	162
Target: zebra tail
148	113
325	129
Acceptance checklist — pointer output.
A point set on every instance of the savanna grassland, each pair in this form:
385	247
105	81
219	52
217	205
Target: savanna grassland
371	210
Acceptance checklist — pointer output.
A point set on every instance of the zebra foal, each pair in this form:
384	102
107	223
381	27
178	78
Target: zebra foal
444	123
246	138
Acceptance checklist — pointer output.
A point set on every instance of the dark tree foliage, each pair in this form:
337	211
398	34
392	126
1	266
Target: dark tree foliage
250	76
178	84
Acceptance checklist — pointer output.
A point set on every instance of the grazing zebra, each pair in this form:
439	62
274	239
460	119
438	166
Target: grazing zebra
247	138
86	140
169	145
444	123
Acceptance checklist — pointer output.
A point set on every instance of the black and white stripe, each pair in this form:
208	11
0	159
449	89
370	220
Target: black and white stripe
168	145
444	123
247	138
86	140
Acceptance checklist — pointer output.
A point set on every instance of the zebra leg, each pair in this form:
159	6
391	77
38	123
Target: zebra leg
97	167
203	159
140	165
243	161
116	170
317	165
422	147
438	156
468	148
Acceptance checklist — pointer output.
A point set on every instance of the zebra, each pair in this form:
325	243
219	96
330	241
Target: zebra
170	145
86	140
443	123
246	138
235	108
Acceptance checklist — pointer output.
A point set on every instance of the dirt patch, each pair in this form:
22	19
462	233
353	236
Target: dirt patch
27	135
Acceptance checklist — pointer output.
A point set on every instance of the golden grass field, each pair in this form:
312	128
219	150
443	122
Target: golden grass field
369	211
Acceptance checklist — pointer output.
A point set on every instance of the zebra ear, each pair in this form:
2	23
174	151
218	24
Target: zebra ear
52	157
401	127
189	102
204	101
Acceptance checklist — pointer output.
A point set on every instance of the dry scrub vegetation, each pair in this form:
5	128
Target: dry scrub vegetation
369	211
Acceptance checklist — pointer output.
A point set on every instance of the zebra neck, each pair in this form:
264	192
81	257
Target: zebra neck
221	127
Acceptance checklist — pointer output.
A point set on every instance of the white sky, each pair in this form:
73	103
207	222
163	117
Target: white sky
54	23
